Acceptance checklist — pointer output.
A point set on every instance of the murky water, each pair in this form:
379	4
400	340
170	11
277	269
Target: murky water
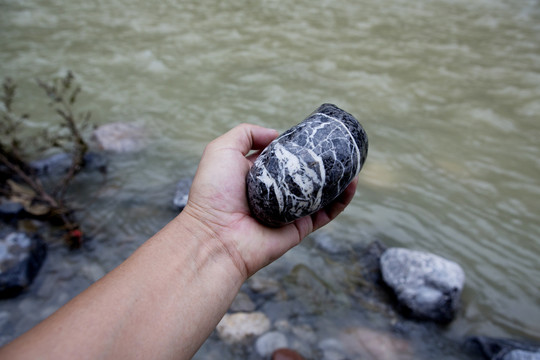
448	91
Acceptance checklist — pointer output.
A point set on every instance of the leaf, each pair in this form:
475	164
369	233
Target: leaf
27	198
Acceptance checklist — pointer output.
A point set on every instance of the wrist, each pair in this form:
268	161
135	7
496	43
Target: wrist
190	226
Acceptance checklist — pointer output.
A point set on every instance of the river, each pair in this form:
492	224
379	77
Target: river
447	90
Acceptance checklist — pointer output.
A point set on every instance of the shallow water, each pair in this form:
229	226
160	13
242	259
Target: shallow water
448	92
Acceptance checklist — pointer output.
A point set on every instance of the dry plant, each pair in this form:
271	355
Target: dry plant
19	181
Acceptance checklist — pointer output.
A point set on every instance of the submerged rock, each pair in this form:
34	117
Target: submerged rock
306	167
21	257
427	286
120	137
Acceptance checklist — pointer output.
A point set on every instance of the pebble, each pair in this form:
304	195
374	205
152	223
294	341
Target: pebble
242	302
237	327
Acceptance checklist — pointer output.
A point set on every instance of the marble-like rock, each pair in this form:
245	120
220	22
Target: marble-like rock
120	137
237	327
21	257
181	195
427	286
269	342
306	167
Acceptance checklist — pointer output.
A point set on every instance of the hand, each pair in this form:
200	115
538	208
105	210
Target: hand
218	202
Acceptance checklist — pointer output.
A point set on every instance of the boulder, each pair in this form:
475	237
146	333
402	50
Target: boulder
21	257
238	327
181	195
120	137
427	286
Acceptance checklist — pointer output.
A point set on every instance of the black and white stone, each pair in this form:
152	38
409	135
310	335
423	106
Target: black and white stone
306	167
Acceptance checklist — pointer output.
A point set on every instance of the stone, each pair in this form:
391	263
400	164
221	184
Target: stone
427	286
238	327
181	195
21	257
306	167
263	286
120	137
286	354
503	349
269	342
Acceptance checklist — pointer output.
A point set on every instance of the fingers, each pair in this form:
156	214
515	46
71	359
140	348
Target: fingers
330	212
246	137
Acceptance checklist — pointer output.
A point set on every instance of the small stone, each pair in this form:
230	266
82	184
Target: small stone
427	286
21	258
181	195
242	302
237	327
266	344
307	167
120	137
367	343
286	354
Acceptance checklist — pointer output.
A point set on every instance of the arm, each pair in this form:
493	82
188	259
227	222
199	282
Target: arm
166	298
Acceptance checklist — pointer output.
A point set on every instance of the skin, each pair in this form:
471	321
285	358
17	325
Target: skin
168	296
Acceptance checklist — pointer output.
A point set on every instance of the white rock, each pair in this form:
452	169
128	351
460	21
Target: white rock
237	327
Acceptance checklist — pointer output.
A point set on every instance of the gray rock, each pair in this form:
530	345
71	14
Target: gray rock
21	258
427	286
269	342
306	167
181	195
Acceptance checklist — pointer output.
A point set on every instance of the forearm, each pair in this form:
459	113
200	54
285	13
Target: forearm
162	302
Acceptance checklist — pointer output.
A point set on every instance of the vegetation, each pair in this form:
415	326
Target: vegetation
19	180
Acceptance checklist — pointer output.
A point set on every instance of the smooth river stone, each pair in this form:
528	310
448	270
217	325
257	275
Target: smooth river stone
306	167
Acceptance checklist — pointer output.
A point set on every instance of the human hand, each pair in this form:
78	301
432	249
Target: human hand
218	202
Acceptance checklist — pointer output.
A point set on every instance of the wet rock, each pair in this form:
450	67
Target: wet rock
182	193
427	286
120	137
21	257
286	354
242	302
306	167
269	342
503	349
238	327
